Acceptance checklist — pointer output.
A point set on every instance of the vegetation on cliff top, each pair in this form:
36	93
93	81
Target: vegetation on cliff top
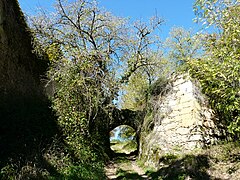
93	57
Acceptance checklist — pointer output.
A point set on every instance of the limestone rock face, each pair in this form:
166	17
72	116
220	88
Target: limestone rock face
182	122
20	69
25	117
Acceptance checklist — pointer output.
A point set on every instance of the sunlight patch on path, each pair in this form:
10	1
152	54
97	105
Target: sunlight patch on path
128	166
111	170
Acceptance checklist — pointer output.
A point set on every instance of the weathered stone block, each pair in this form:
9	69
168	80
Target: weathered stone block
196	105
186	98
172	102
186	87
178	82
186	111
187	104
187	120
196	137
191	145
182	131
181	126
170	126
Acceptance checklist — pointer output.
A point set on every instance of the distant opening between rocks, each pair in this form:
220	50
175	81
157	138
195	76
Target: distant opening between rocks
123	139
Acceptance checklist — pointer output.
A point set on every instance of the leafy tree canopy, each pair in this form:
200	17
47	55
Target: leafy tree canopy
219	70
92	54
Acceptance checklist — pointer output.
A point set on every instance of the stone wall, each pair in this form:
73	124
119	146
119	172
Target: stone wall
20	68
180	122
26	121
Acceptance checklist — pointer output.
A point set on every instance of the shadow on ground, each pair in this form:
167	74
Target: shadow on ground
27	127
127	175
190	166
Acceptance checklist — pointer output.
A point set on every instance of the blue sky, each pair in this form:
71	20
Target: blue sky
174	12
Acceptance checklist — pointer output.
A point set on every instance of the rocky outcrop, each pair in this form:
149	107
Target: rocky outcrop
180	121
20	69
26	121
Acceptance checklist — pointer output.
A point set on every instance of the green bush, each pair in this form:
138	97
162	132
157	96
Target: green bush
218	71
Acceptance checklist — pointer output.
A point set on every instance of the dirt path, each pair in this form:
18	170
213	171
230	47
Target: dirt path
111	170
124	168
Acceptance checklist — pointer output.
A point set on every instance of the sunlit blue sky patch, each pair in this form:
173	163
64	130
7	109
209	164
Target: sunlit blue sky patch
174	12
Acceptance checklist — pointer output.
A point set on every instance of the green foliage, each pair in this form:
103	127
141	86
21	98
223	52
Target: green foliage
7	172
126	140
218	71
131	145
183	45
91	54
79	72
88	49
134	97
140	86
82	171
169	158
126	132
120	172
159	87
